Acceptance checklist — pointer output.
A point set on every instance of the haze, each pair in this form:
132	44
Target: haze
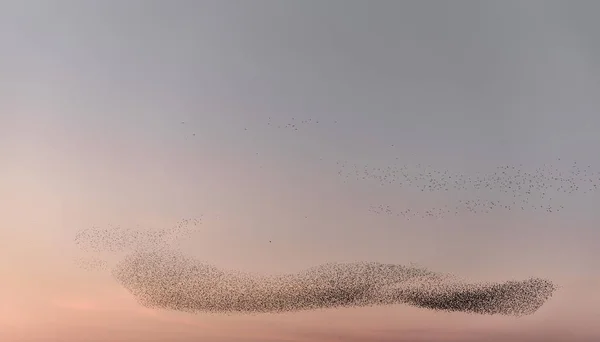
92	99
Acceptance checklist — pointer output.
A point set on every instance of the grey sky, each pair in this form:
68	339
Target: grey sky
456	84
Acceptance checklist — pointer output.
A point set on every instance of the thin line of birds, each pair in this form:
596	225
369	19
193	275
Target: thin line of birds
508	187
470	206
293	124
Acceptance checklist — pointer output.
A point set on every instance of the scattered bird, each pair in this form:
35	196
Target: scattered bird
506	188
91	263
115	238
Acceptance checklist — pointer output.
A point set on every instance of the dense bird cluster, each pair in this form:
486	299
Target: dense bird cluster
505	188
159	276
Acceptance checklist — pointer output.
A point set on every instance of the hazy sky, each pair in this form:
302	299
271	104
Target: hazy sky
93	93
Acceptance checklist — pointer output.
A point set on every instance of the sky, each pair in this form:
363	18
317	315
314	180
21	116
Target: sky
92	100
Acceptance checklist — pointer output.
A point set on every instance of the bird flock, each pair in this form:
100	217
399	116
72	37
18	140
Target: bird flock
160	276
506	188
169	280
294	124
156	272
116	239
